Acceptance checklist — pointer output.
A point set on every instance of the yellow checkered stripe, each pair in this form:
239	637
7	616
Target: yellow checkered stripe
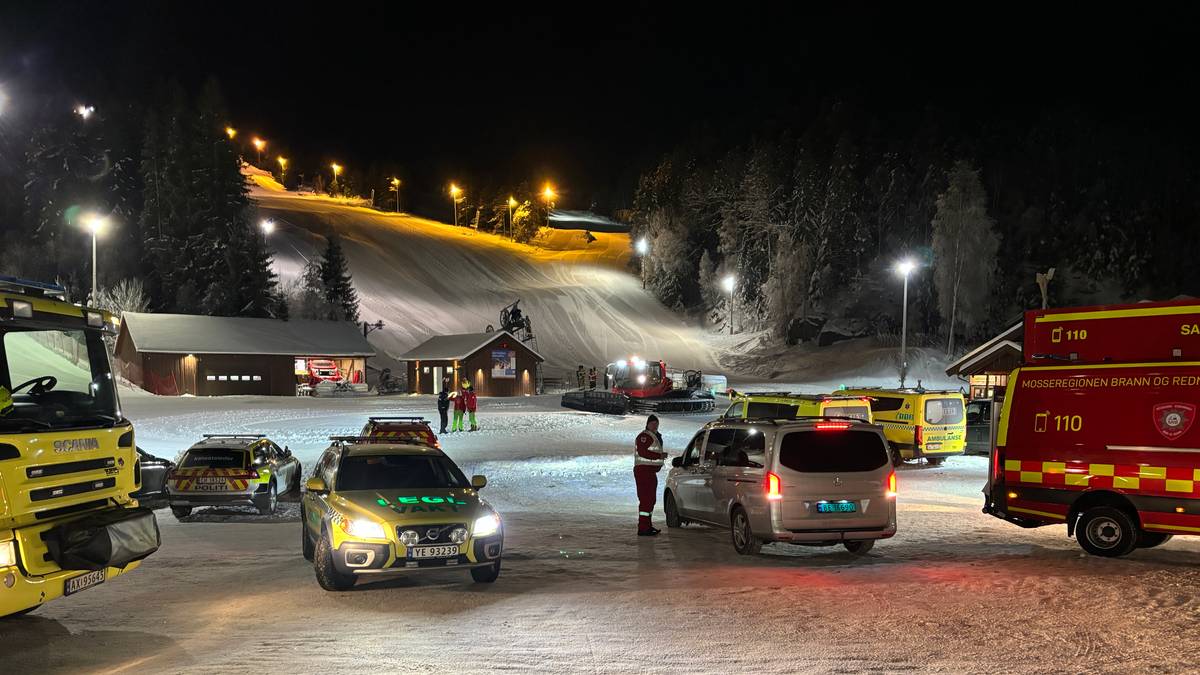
186	479
1175	481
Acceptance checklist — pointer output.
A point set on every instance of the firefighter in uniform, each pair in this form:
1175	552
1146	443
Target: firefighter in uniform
648	459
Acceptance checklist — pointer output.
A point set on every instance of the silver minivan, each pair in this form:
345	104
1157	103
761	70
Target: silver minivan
810	481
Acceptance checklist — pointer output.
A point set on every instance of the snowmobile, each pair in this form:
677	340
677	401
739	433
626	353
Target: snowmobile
388	384
639	386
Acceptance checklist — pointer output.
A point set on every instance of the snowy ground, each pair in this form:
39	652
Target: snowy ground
954	591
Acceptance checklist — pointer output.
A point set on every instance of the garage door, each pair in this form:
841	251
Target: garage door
231	381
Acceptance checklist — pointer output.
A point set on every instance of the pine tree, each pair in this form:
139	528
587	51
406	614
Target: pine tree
964	250
340	296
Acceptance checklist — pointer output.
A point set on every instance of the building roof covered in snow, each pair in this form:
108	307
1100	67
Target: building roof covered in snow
458	347
198	334
1000	354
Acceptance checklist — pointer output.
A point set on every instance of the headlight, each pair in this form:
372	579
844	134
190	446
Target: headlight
8	554
486	525
365	529
410	538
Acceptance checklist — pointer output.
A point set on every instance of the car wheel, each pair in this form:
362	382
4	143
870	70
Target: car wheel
488	574
306	544
22	612
744	541
181	511
327	575
935	461
1152	539
267	503
295	489
1107	531
672	510
859	547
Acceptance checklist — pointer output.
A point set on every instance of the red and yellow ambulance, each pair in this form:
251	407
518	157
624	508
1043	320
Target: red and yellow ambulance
1098	430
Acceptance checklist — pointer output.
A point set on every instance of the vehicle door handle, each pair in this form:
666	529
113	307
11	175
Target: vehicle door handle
741	480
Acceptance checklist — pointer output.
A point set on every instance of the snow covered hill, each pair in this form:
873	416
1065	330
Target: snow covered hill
424	278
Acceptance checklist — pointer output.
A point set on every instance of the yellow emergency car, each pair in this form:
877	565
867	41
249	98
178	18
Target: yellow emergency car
918	423
785	405
373	509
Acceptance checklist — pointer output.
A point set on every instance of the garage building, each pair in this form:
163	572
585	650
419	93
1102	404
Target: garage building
497	364
176	354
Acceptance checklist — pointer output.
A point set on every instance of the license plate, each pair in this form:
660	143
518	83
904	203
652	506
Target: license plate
83	582
933	446
210	480
837	507
433	551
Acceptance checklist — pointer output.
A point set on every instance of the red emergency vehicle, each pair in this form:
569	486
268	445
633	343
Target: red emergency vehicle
1097	430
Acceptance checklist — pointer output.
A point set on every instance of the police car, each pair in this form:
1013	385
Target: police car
372	509
232	470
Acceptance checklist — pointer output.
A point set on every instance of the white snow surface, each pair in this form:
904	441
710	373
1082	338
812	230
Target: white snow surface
955	591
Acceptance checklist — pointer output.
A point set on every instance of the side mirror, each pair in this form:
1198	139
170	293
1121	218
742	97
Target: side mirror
677	462
478	482
287	452
316	485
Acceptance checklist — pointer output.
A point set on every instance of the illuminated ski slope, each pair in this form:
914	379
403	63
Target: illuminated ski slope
424	278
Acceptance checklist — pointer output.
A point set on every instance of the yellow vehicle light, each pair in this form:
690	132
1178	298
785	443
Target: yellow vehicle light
363	529
8	554
486	525
22	309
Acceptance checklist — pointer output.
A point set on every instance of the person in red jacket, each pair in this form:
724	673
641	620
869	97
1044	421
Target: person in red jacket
470	400
648	459
460	407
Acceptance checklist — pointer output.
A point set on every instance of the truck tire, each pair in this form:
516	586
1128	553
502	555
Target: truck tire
1107	531
897	458
672	510
327	575
1152	539
488	574
935	461
181	511
744	541
306	544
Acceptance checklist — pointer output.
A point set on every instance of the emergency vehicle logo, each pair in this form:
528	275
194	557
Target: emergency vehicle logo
1174	419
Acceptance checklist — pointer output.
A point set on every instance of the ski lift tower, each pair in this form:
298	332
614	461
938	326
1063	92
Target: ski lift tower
515	321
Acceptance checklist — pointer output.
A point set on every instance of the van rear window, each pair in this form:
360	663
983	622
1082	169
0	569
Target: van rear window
859	412
772	411
214	458
832	451
943	411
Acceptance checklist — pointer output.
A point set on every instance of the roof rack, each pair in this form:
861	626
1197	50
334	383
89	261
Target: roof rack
247	436
398	419
33	288
376	440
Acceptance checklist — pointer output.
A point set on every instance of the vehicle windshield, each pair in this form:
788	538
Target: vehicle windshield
388	472
214	458
640	375
832	451
59	379
944	411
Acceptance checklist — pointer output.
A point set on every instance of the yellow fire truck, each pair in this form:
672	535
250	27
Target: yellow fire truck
67	457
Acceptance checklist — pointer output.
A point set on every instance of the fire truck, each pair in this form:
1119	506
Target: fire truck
68	463
1097	428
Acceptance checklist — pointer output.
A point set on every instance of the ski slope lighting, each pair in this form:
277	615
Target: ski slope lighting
486	525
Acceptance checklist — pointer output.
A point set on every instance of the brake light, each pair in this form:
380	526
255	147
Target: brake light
917	436
891	491
773	487
831	426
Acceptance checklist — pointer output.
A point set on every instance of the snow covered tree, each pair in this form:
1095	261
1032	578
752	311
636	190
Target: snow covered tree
525	224
340	297
964	250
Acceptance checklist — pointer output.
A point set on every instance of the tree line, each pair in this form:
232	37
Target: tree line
810	220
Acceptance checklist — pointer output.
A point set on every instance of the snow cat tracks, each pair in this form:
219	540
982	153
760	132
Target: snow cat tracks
619	404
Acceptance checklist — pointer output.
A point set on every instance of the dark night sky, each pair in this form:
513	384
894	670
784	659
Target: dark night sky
587	99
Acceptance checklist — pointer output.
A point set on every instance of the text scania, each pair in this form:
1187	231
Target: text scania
76	445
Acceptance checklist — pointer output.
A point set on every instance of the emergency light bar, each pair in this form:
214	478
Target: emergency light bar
398	419
377	440
234	435
30	287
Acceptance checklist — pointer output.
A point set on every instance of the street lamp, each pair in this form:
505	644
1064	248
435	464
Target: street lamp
904	268
455	198
512	203
396	188
230	132
549	195
85	111
259	144
643	247
267	225
728	283
95	224
282	167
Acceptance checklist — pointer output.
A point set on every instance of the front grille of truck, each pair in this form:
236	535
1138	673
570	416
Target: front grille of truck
73	508
42	494
70	467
